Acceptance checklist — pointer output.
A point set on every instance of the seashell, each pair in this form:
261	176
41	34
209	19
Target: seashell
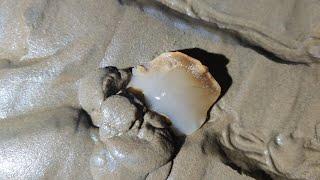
178	87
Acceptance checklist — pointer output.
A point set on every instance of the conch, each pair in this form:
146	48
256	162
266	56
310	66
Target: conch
178	87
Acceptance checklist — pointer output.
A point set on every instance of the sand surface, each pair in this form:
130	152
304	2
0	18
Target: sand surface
265	124
290	28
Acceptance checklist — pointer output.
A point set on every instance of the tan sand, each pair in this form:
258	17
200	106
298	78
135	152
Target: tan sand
267	118
290	29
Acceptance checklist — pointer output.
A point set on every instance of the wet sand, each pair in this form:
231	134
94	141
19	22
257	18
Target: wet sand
265	121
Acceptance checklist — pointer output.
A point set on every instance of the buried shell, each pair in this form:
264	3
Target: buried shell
179	87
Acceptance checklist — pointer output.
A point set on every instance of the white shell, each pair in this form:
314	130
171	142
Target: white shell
179	87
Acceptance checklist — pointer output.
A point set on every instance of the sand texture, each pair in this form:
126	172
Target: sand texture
290	28
63	63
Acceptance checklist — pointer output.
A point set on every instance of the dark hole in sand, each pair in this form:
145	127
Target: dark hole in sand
83	119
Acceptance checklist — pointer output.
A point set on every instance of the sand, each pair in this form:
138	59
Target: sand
265	124
289	29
